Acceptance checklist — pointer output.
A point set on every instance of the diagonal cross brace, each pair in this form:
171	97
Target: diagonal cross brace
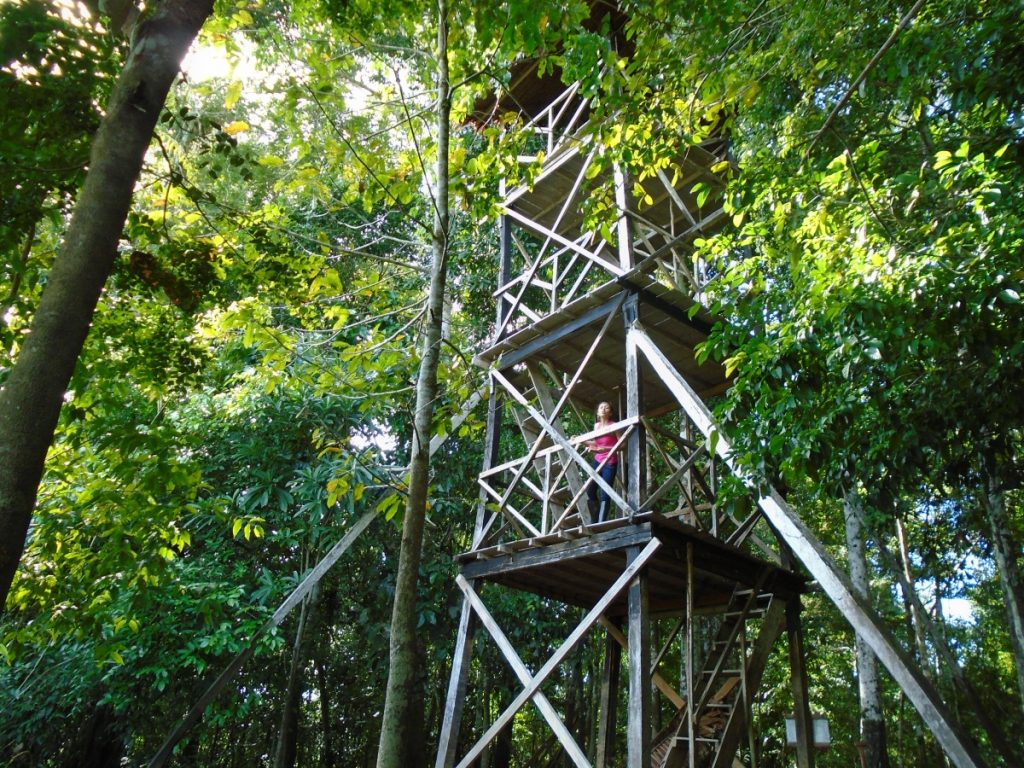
521	672
532	687
560	441
806	546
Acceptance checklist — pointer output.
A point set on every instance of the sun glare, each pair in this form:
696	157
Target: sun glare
206	62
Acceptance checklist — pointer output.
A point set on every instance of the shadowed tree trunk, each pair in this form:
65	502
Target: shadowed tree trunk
288	733
31	398
98	744
401	736
328	756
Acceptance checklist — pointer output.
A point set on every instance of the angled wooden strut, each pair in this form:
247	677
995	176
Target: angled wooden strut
532	683
805	545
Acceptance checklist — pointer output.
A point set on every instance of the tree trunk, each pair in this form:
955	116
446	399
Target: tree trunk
922	625
328	756
1007	554
872	722
98	742
288	733
915	615
401	727
31	398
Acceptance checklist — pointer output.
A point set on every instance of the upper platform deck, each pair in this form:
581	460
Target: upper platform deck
566	339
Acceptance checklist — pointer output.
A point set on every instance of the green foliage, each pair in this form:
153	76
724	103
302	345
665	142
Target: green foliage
51	106
244	393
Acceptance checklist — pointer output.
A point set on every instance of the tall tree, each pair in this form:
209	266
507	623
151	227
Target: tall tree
401	737
33	393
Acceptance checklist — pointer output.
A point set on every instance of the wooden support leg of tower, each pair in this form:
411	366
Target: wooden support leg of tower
638	725
798	681
809	550
609	701
636	445
456	698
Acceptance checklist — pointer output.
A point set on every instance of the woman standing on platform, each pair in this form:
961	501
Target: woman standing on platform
601	447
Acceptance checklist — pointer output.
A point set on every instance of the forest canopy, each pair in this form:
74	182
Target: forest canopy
290	270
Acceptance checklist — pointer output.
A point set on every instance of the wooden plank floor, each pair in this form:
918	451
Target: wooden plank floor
576	568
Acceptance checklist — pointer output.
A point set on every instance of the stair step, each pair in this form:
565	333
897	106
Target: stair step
758	612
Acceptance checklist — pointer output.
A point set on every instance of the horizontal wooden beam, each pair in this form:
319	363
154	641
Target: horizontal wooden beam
532	348
627	536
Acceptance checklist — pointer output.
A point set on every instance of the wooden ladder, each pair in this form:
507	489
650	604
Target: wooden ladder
719	689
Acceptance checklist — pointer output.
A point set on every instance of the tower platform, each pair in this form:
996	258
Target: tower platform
576	566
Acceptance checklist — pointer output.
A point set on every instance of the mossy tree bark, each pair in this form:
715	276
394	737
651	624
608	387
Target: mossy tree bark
33	393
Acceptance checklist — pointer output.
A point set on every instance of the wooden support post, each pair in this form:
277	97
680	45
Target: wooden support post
505	265
691	714
492	436
636	446
638	724
624	226
609	702
798	680
456	699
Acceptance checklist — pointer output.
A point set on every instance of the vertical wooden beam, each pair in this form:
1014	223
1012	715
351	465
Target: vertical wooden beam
495	410
638	724
456	699
691	715
492	436
624	226
504	265
609	702
798	681
636	446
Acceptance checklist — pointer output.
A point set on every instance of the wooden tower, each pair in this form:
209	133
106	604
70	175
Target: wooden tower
584	318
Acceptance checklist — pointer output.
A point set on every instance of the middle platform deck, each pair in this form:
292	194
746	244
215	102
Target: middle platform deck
577	566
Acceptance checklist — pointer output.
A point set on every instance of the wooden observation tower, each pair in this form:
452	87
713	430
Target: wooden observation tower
583	319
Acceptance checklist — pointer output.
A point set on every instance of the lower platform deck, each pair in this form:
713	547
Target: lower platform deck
577	566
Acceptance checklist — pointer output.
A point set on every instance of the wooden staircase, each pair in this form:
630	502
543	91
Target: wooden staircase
720	691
